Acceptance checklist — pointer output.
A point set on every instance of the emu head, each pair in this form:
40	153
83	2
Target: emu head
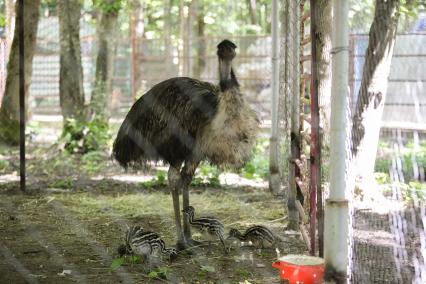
226	50
189	211
123	250
234	233
173	254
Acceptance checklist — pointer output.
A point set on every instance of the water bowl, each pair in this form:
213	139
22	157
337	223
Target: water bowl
300	269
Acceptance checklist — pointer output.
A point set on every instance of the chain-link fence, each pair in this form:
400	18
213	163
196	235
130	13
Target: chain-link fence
389	222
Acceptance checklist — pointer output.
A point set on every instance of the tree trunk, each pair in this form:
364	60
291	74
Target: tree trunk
168	56
136	30
252	11
9	112
201	50
71	92
372	94
322	41
188	40
10	23
107	33
182	61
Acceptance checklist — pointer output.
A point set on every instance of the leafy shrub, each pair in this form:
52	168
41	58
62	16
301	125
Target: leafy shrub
158	180
258	165
84	137
207	174
93	161
64	183
3	164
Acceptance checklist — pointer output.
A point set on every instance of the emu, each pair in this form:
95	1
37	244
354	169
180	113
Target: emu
183	121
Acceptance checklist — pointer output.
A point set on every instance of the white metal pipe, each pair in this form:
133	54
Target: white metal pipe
336	225
275	179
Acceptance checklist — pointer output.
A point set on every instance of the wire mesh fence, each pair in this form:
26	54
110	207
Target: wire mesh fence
389	226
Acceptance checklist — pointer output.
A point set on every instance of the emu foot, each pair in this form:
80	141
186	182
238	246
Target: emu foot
183	246
193	243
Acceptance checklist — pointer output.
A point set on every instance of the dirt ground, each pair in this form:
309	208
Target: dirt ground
52	235
67	227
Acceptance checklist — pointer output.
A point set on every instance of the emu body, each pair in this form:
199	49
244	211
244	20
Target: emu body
183	121
210	227
146	244
259	236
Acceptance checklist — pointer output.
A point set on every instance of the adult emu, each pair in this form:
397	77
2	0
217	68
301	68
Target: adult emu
183	121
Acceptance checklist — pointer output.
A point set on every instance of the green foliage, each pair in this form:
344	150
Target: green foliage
64	183
108	6
418	189
4	164
208	268
382	165
84	137
258	166
158	180
207	175
93	161
116	263
242	273
382	178
409	155
384	158
362	12
120	261
2	20
159	273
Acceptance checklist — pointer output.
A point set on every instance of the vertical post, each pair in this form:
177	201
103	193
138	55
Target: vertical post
274	169
21	95
294	92
315	149
336	251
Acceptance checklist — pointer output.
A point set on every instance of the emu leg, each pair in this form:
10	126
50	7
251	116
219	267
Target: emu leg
225	249
174	178
187	174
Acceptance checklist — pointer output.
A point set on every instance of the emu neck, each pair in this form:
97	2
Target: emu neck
239	236
191	218
226	75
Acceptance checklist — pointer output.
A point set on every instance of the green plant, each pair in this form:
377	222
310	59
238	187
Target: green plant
417	188
382	165
382	178
116	263
411	154
63	183
93	162
207	174
242	272
159	273
158	180
258	165
3	164
84	137
120	261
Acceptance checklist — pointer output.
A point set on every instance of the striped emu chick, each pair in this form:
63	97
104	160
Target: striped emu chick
211	228
259	236
145	243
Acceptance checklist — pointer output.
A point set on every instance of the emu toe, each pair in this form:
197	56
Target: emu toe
183	246
193	243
